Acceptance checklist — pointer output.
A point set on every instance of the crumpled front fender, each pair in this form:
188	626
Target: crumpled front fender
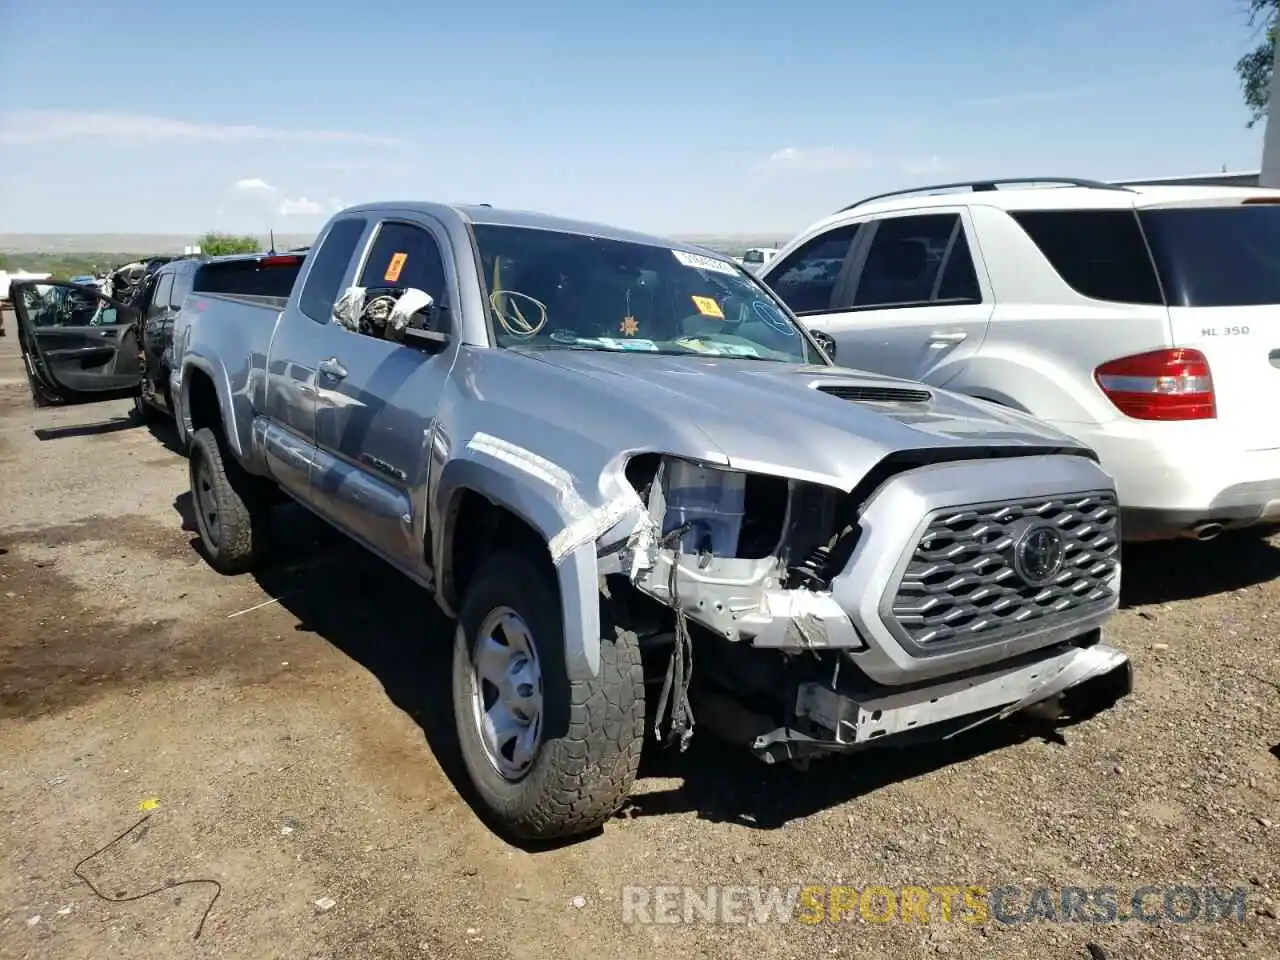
545	497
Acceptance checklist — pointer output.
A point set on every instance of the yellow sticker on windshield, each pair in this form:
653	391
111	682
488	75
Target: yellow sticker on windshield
708	307
394	267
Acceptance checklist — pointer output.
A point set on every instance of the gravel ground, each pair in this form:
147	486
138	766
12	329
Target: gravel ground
290	733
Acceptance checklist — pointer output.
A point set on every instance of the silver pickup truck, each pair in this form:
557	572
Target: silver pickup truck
635	481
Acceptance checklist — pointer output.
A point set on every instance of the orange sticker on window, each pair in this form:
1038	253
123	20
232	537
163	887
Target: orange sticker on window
708	307
394	267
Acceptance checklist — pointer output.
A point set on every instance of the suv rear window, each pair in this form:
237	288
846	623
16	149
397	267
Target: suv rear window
1217	256
1100	254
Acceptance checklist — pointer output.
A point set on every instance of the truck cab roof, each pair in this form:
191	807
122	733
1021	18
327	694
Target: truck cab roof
481	214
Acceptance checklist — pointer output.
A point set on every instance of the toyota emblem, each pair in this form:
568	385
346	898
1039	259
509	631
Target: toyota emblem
1038	554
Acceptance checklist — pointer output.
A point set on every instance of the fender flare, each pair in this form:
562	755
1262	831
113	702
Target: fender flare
222	388
539	504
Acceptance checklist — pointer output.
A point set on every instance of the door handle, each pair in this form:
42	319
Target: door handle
947	336
332	368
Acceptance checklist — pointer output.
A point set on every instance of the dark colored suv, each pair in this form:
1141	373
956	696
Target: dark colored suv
159	304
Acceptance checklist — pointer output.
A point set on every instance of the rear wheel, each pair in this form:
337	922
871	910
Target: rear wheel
548	756
231	513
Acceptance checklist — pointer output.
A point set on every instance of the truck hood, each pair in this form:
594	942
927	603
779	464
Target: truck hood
771	417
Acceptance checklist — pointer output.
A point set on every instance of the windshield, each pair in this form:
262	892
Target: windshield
549	289
753	256
1216	256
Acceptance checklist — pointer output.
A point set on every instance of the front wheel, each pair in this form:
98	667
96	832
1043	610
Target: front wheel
548	756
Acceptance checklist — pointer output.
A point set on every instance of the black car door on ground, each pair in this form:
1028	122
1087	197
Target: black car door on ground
79	346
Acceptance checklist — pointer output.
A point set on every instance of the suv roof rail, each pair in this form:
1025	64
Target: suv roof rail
982	186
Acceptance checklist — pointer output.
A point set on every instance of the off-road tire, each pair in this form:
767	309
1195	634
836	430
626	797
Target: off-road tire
242	510
593	730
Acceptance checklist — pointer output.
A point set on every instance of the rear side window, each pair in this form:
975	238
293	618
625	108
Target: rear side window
1217	256
1100	254
918	261
806	279
247	278
405	255
329	265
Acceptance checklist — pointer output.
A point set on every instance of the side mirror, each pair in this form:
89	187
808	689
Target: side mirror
825	341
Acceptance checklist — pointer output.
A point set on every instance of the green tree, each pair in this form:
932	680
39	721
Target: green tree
1254	68
220	244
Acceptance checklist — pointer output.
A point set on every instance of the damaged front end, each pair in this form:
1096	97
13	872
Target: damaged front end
826	620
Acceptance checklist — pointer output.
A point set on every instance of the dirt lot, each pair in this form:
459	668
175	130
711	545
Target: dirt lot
295	730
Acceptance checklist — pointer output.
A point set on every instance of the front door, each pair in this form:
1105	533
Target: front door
78	345
376	398
915	303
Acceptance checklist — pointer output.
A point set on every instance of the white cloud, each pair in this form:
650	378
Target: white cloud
300	207
920	167
1033	96
819	159
1059	94
253	185
359	165
335	204
43	126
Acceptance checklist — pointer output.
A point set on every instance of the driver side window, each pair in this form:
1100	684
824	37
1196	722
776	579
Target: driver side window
806	280
404	255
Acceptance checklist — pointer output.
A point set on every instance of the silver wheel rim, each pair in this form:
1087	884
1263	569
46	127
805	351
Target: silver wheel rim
207	503
506	692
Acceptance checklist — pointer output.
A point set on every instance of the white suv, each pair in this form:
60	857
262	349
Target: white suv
1143	320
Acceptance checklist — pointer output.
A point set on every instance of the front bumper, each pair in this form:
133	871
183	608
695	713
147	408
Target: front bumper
830	720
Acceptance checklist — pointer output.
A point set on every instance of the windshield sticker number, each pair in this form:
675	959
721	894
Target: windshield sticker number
769	315
699	262
394	267
708	307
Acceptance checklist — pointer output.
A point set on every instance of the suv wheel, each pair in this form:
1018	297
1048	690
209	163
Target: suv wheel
548	757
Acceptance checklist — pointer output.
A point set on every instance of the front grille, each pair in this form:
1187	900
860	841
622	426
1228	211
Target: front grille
876	394
963	584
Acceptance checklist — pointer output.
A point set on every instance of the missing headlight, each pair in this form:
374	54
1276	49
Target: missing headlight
710	511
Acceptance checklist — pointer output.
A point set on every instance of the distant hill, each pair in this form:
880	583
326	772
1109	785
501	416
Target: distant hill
159	243
16	244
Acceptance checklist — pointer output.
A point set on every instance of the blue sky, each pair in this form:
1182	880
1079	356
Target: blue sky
674	117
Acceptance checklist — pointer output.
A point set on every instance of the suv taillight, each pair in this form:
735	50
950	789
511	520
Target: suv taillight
1161	385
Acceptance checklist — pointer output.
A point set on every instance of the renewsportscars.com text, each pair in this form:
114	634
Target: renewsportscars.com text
971	903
